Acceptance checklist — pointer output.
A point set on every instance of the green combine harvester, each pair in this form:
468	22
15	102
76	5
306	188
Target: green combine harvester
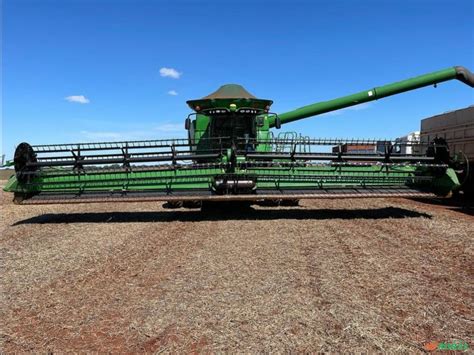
232	154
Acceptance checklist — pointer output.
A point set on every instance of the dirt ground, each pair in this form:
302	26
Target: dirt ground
339	275
5	174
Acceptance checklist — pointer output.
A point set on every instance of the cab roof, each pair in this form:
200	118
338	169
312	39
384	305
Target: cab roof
229	94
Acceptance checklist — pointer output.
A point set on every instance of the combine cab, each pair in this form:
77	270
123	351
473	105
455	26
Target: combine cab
232	155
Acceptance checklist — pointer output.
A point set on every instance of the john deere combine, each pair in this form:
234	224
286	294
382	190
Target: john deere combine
233	155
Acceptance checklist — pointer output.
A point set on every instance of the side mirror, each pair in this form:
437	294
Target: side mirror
187	124
277	122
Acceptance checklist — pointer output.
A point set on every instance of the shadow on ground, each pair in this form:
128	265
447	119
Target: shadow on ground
458	204
248	214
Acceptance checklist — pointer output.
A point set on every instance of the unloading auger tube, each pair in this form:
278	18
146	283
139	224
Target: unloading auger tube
231	155
458	72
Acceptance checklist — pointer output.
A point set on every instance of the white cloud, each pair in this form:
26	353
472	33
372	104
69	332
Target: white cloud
363	106
101	135
169	127
81	99
158	132
170	73
172	93
360	107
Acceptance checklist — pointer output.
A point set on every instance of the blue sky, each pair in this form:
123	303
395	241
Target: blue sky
106	56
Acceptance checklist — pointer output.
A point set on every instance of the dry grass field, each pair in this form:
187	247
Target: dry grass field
6	173
359	275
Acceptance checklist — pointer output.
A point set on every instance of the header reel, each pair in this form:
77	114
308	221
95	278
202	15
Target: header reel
166	170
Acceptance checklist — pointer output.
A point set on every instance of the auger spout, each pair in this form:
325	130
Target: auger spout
460	73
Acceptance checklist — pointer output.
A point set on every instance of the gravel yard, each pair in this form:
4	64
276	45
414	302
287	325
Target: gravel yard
338	275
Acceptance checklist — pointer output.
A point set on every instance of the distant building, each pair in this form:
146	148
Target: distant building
362	149
355	148
409	144
457	127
